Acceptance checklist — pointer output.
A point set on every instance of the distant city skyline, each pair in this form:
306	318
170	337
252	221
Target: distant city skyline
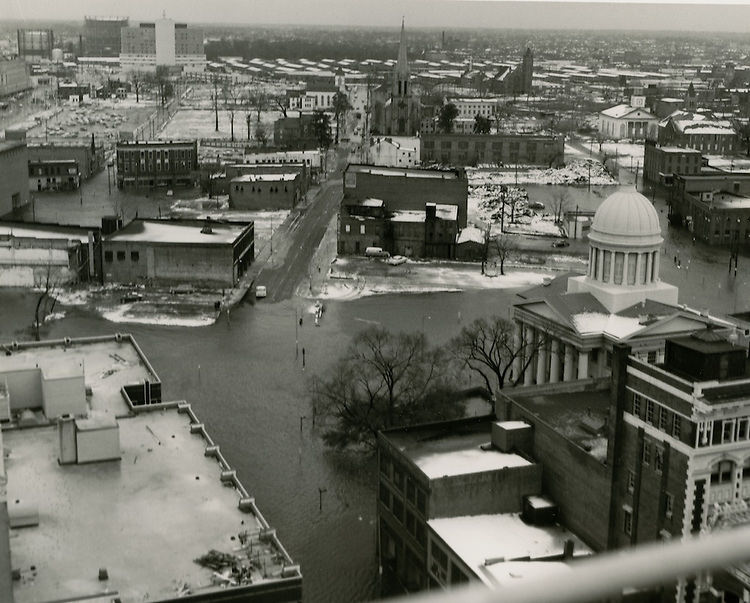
729	16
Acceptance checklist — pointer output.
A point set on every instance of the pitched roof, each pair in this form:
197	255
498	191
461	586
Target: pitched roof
620	111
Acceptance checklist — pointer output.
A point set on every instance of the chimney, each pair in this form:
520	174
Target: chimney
568	550
207	226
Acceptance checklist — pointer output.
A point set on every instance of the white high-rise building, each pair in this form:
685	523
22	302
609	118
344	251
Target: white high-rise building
162	43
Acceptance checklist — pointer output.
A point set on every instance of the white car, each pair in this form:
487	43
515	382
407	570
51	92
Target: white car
260	291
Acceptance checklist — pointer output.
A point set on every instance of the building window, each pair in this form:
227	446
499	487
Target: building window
361	229
107	256
421	501
663	418
722	474
676	426
627	524
134	256
411	491
658	459
385	496
347	228
646	454
398	478
637	405
120	256
651	357
650	411
631	481
668	502
727	431
742	428
398	508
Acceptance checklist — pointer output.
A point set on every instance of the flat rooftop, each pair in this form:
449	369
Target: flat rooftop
453	449
9	145
144	518
283	177
486	543
403	172
25	230
178	232
580	416
108	365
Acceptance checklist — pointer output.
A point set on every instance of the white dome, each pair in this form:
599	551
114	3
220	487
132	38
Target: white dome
626	219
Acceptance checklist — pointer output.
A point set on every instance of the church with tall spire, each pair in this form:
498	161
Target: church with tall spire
402	107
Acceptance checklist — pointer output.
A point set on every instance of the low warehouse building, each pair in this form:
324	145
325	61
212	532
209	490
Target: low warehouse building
265	191
179	251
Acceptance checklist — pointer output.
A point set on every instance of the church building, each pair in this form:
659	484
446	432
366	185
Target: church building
567	327
396	109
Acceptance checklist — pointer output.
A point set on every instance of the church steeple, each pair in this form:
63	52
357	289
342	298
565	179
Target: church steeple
401	72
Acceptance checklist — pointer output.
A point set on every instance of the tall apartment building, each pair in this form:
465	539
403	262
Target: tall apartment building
162	43
35	44
102	35
14	76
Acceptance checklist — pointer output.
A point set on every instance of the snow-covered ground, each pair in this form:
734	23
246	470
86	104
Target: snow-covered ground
575	172
201	123
625	152
352	278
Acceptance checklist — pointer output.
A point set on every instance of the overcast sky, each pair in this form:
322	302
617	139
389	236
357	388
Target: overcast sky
733	15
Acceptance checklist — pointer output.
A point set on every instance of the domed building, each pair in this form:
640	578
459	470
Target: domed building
624	246
566	328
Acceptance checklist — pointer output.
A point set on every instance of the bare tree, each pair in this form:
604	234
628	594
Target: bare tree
488	347
230	94
383	380
260	135
505	247
136	79
279	102
258	99
46	301
560	202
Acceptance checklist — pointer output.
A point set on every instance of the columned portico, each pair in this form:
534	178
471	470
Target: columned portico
541	359
583	364
529	333
568	364
554	361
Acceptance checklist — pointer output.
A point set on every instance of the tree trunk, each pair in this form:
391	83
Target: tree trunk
502	266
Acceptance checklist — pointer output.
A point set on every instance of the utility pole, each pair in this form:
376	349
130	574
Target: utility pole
216	103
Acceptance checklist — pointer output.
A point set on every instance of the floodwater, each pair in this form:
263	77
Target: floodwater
245	381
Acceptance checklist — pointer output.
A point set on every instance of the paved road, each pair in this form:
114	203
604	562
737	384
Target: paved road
303	236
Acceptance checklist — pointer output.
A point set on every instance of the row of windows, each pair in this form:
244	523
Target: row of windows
272	189
414	525
667	510
724	431
348	228
415	495
657	415
134	256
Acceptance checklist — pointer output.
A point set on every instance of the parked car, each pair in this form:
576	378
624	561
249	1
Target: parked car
131	296
260	291
536	205
561	243
182	290
376	252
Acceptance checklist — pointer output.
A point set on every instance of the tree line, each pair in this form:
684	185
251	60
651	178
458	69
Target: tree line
387	379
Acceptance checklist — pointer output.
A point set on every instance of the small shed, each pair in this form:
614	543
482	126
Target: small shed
470	244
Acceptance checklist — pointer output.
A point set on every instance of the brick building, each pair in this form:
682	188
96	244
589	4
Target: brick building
700	130
295	132
89	158
662	163
465	477
265	190
14	184
53	175
157	163
472	149
407	189
178	251
715	207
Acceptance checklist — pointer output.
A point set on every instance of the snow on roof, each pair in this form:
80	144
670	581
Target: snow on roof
510	572
699	123
178	232
41	231
619	111
589	323
408	215
470	234
372	202
283	177
478	539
